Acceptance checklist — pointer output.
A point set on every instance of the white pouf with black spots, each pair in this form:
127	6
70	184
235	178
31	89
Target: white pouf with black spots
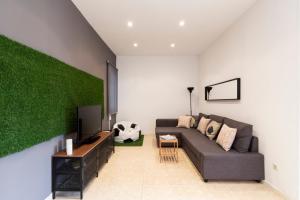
126	132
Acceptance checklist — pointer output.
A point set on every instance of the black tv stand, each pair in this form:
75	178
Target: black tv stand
73	173
92	139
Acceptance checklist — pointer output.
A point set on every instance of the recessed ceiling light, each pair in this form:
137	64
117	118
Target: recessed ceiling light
172	45
129	23
181	23
135	44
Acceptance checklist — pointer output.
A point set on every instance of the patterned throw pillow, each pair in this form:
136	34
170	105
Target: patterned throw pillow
226	137
212	129
184	121
193	122
203	124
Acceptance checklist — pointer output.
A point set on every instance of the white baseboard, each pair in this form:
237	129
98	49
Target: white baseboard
49	197
275	188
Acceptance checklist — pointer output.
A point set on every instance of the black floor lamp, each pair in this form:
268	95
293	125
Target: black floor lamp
190	89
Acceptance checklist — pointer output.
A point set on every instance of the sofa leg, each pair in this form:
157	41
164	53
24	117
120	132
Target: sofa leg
258	181
205	180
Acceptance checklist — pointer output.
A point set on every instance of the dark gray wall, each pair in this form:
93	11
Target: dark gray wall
56	28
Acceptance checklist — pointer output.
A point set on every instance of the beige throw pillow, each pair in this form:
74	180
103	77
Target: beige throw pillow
226	137
212	129
203	124
184	121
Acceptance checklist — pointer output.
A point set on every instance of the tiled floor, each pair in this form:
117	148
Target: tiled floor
135	173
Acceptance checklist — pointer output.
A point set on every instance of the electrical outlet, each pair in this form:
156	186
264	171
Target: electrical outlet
275	168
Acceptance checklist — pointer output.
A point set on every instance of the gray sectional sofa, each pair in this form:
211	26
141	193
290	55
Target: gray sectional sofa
242	163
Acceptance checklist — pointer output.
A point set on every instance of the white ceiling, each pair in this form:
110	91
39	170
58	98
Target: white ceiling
155	23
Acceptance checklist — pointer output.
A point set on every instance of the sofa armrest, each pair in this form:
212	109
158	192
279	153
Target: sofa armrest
233	166
254	145
166	122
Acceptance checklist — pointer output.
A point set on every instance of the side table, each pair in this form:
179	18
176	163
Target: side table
168	153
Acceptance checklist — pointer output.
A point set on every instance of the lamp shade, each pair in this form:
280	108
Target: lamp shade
190	89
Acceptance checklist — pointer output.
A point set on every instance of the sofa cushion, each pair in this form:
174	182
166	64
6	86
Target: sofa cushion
166	122
217	118
197	119
184	121
193	122
168	130
243	135
212	129
200	144
226	137
203	124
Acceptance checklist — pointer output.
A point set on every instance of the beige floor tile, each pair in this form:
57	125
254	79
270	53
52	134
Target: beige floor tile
135	173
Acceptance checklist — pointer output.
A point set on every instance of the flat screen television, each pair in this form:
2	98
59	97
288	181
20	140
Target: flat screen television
89	123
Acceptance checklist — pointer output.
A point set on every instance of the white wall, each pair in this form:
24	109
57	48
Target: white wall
298	50
261	48
156	87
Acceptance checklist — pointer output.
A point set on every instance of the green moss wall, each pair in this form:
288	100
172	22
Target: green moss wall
39	95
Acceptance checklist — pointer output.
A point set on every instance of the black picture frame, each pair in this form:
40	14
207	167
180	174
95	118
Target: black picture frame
209	88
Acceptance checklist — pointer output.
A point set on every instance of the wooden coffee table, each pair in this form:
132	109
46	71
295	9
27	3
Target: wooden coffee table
168	153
